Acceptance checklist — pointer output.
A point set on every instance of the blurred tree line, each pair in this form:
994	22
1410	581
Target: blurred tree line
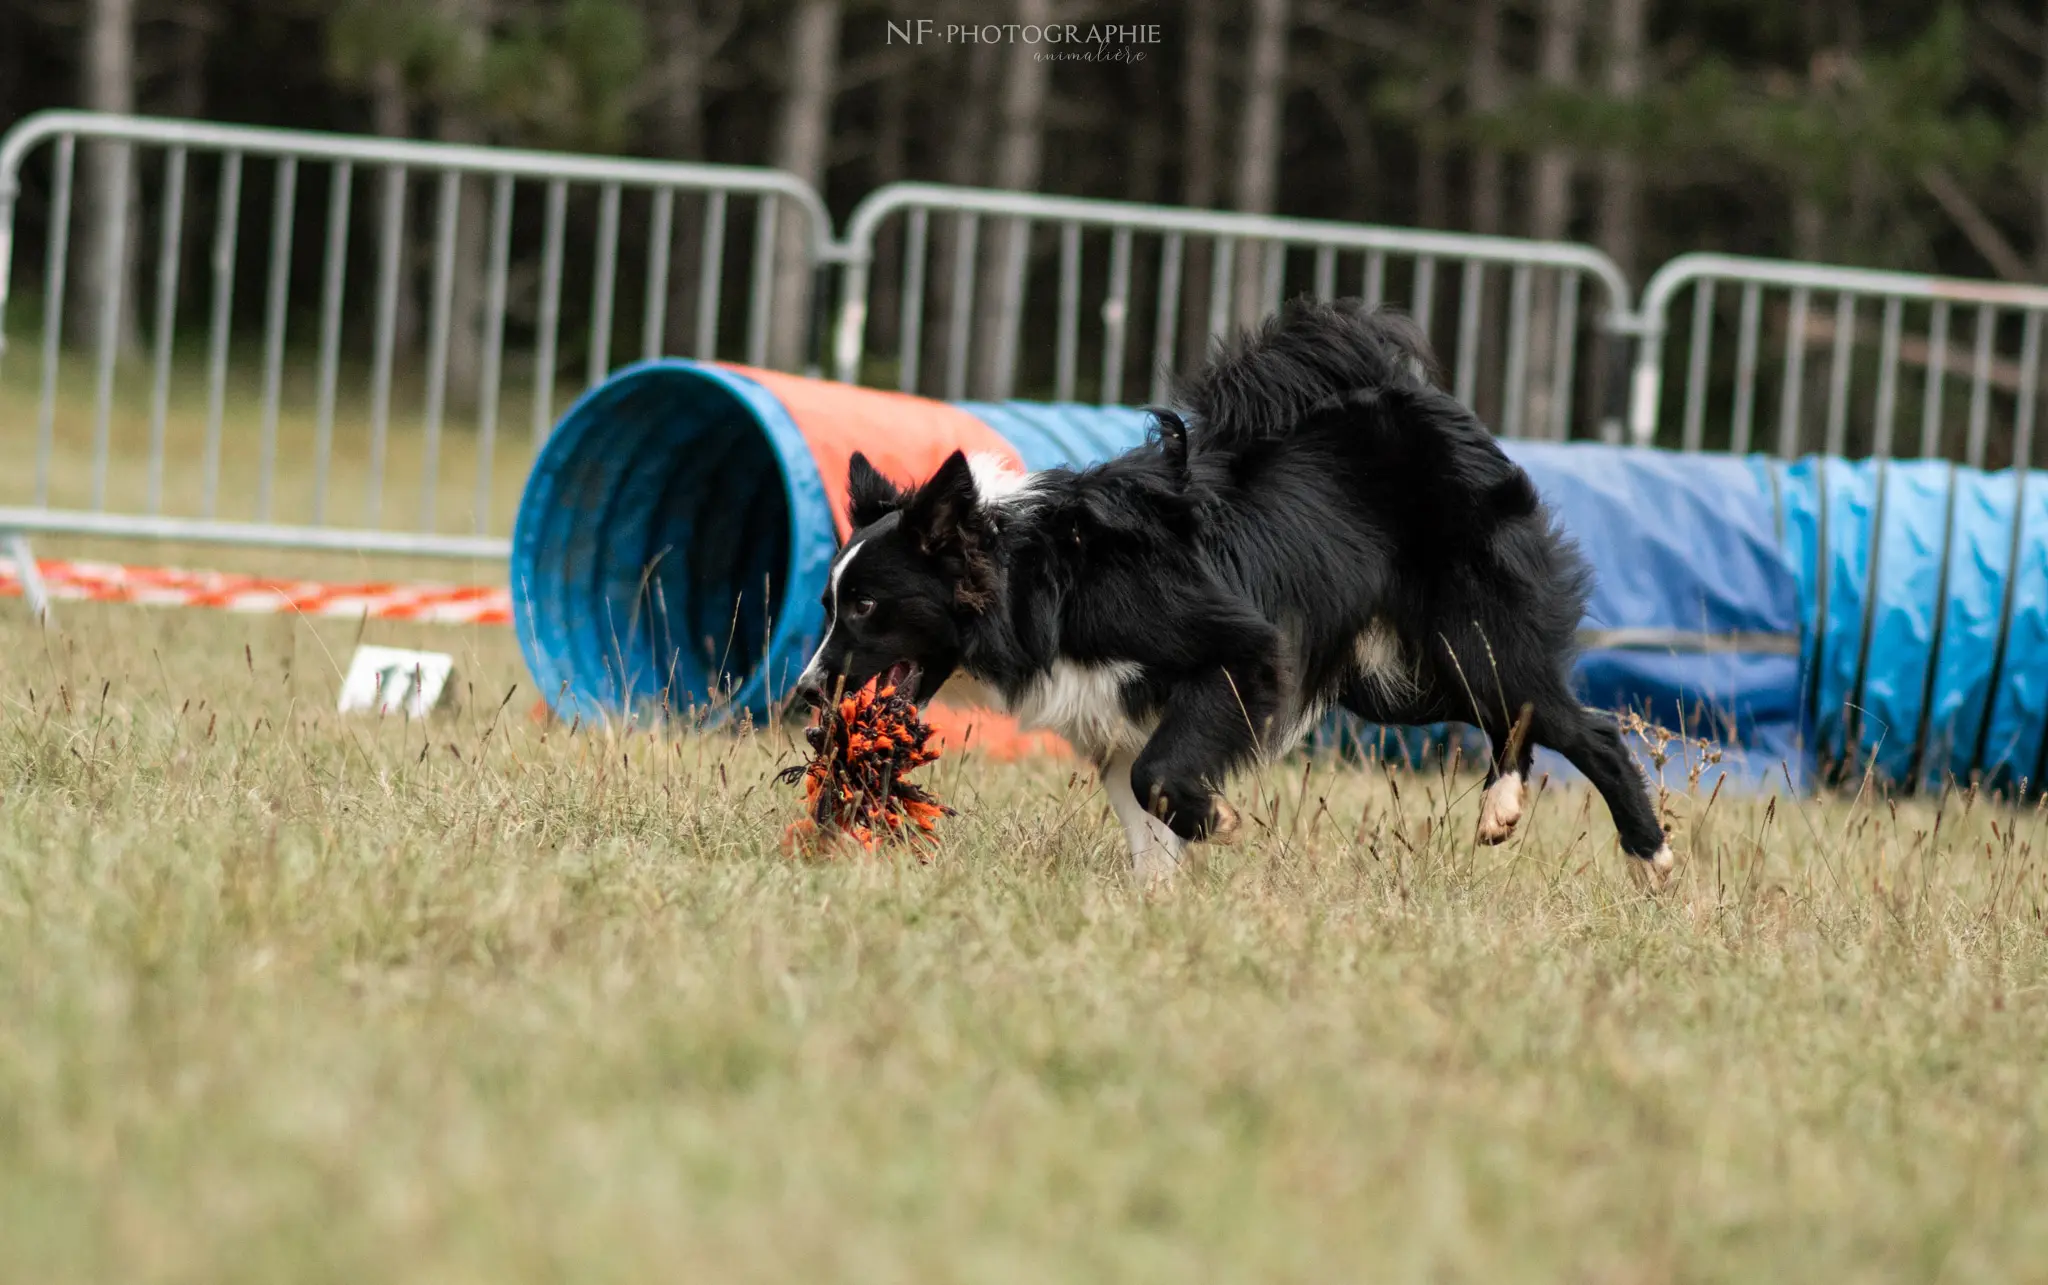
1897	132
1894	132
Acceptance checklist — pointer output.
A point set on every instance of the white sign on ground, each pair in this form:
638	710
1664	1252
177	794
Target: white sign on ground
385	679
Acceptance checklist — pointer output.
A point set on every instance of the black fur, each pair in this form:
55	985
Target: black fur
1325	492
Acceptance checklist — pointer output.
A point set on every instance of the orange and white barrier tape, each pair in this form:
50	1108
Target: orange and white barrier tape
171	587
436	604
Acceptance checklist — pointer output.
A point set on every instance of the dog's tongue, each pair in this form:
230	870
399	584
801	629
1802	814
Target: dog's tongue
899	674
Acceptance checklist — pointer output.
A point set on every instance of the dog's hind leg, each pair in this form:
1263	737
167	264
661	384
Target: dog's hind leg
1591	742
1512	746
1155	848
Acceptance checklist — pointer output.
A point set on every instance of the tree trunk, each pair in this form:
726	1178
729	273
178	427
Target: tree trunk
1145	170
1621	174
1432	182
472	20
1550	215
2041	183
1199	135
465	331
1019	161
963	165
1550	205
679	41
1809	228
677	34
966	160
1809	217
1485	94
191	39
191	36
391	117
1198	108
1019	147
885	281
1621	196
1257	181
106	274
13	61
802	132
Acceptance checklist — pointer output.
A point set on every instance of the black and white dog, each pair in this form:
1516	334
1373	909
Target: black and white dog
1331	531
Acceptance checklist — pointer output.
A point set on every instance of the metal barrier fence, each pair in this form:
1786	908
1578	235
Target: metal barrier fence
257	451
1778	357
529	267
971	293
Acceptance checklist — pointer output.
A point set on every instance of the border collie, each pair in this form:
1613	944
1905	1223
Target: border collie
1327	530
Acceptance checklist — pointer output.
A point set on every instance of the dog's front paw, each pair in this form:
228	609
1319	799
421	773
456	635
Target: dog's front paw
1224	822
1154	866
1654	873
1193	814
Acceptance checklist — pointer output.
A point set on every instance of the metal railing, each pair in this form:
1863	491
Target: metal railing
506	284
986	293
1795	358
527	270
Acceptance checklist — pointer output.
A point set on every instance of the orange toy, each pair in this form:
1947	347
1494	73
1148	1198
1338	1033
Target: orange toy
853	786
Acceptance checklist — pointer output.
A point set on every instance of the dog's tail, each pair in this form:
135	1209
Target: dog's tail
1260	386
1419	451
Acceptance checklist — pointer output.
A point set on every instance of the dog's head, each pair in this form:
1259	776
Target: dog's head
903	592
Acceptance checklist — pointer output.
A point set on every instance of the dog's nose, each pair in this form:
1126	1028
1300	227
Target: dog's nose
811	691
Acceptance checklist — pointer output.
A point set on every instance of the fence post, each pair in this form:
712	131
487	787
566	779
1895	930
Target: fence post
33	591
1644	381
818	324
853	313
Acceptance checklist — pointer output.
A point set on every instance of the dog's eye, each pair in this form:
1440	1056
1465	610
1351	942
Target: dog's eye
861	609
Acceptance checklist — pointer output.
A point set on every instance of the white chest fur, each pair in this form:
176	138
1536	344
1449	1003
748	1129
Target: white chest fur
1085	705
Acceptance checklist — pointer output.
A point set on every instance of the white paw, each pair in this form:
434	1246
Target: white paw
1153	867
1657	872
1500	810
1225	822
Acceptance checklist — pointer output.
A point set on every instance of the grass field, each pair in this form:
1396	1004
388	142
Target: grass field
290	997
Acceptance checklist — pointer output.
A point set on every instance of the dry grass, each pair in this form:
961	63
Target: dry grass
287	996
284	996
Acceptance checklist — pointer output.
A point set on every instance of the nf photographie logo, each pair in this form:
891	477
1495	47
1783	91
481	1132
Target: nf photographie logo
1068	41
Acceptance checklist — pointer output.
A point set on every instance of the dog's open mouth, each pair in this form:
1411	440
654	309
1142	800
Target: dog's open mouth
902	676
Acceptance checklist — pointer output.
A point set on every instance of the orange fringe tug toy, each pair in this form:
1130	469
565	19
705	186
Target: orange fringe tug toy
853	785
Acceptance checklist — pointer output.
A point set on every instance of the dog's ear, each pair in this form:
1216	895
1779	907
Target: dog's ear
870	497
940	514
1172	432
944	517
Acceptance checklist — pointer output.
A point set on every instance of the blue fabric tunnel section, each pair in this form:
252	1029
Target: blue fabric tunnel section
675	537
1926	665
669	548
1063	434
1694	618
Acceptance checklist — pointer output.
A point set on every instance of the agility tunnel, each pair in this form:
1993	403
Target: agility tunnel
675	535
